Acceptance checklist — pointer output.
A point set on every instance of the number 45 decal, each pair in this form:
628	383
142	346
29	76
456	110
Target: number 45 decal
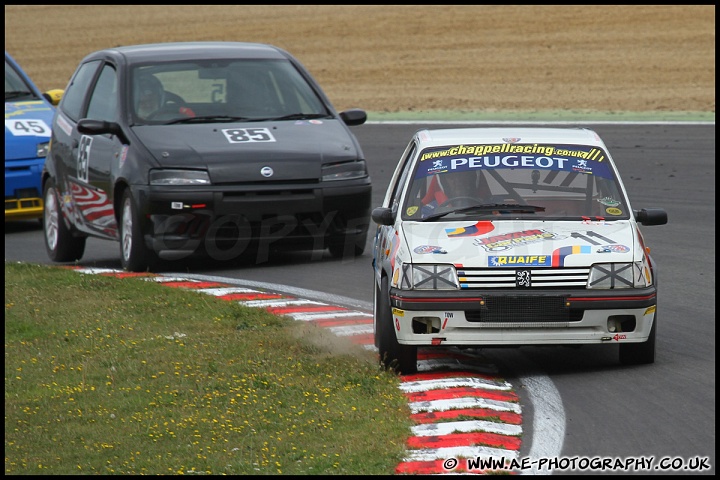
242	135
25	127
83	158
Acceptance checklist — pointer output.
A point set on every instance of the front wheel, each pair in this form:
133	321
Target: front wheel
60	244
640	353
401	359
134	255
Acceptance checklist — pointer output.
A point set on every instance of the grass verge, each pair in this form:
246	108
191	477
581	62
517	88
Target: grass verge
125	376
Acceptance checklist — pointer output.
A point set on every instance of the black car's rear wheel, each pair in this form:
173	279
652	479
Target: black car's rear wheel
60	243
640	353
393	356
134	255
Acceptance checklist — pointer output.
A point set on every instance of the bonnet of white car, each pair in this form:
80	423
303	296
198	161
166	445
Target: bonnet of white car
473	242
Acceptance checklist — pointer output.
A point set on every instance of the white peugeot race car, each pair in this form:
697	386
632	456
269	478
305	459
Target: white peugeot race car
509	237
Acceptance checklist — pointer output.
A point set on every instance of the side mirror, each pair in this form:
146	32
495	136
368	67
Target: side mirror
54	96
88	126
383	216
651	216
354	116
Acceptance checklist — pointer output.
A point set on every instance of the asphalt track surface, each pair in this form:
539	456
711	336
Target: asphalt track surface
574	404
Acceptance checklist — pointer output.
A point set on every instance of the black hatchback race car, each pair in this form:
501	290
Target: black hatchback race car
202	146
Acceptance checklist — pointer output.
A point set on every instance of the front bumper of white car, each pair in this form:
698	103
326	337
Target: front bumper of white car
540	318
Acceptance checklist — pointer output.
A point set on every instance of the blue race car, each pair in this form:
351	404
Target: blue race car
28	116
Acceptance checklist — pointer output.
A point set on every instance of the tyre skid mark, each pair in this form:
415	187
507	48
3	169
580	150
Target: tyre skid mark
462	410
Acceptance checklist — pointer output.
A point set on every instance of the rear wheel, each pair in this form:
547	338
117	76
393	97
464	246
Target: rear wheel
401	359
134	255
640	353
60	243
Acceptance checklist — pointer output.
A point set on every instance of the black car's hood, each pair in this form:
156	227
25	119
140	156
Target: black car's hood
295	150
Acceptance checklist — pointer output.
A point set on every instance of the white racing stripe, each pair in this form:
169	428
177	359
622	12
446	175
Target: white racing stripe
170	279
279	303
463	402
349	330
442	383
548	421
96	271
308	317
446	428
219	292
426	455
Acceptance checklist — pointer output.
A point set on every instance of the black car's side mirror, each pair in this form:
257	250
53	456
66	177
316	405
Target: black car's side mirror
88	126
353	117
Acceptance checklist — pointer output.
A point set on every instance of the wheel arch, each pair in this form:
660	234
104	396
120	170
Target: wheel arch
120	187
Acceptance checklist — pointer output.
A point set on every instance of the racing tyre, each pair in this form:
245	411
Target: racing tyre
60	243
640	353
401	359
134	255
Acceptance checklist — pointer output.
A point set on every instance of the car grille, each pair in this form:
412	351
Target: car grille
525	278
524	309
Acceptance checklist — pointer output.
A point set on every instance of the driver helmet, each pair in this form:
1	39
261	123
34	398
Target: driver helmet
150	95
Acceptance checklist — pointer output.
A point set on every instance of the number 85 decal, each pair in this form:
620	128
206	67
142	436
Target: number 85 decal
243	135
83	158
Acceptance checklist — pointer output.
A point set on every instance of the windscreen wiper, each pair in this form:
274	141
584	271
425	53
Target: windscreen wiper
209	119
492	208
297	116
17	94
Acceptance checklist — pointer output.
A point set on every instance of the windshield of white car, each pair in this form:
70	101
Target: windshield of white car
552	181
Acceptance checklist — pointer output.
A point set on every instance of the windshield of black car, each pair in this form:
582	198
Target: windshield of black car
537	181
222	91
